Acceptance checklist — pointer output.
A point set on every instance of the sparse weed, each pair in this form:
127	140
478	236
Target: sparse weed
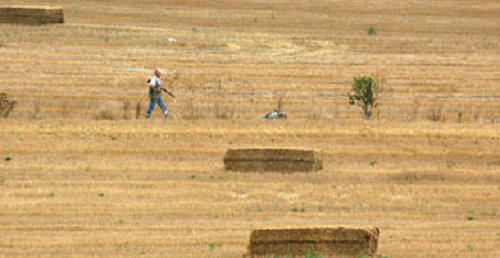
436	112
312	254
486	213
459	116
211	246
314	116
372	163
105	113
223	113
194	113
361	254
65	109
7	159
470	248
138	108
295	209
126	108
414	108
36	110
372	31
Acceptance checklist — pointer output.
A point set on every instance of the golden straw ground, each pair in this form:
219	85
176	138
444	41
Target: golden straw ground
425	170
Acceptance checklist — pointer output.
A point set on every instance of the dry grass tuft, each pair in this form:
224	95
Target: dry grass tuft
109	111
138	109
6	105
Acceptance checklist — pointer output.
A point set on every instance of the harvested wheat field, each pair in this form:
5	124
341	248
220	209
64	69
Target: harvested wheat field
80	176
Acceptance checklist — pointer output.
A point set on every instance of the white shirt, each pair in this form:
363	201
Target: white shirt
154	80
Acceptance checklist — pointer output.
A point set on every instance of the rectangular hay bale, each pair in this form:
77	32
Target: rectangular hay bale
31	15
273	159
331	241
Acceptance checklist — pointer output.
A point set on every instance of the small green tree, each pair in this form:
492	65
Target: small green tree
365	92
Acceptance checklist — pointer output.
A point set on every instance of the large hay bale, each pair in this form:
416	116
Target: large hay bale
330	241
273	159
31	14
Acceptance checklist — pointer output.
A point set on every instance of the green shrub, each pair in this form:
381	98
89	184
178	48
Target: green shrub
365	92
371	31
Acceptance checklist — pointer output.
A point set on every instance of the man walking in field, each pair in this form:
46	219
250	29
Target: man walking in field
155	95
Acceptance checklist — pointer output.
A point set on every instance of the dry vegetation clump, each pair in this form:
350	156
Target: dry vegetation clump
32	15
328	241
273	159
111	111
6	105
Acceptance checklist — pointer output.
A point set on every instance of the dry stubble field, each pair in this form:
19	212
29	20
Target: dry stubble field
80	177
